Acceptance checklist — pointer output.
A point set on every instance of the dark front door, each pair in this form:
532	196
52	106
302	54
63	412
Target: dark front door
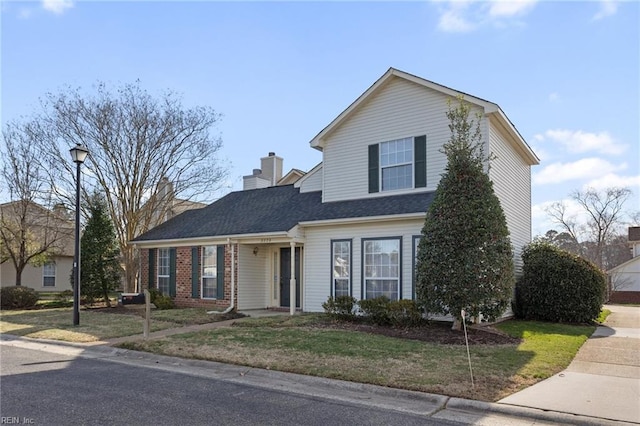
285	277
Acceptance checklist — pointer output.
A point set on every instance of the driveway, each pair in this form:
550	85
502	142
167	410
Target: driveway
602	381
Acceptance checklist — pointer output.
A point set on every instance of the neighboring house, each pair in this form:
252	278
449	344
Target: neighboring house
46	229
168	205
351	225
624	279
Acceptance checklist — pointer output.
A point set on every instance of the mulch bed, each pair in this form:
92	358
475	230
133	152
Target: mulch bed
434	332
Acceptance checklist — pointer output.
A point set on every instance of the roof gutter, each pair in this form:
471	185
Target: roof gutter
365	219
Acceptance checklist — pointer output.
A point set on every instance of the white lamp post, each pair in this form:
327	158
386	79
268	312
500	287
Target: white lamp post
78	155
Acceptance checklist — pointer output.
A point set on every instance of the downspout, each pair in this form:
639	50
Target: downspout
233	281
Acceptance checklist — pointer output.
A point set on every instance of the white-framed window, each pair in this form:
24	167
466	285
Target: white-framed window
341	267
381	267
396	164
163	270
209	272
49	274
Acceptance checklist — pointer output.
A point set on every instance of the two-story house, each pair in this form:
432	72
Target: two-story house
351	225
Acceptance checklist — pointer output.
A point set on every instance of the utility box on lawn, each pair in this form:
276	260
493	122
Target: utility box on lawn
131	299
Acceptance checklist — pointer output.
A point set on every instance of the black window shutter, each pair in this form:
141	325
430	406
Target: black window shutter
172	272
152	268
420	163
374	179
220	272
195	273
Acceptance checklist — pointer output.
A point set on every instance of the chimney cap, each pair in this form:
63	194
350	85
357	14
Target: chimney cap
272	154
257	172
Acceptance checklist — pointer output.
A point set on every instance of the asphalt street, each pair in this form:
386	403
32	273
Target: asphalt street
46	388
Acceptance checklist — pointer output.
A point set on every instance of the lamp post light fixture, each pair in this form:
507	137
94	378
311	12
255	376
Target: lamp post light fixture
78	155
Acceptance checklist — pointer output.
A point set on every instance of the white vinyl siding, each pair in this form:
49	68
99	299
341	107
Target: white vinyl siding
254	281
49	274
163	270
209	272
312	181
318	256
399	109
511	177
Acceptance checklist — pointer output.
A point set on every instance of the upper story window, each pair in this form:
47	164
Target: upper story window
398	164
49	274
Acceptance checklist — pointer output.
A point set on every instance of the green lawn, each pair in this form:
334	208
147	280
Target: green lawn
95	325
298	345
304	344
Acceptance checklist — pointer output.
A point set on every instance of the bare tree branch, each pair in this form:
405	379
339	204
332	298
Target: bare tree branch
135	141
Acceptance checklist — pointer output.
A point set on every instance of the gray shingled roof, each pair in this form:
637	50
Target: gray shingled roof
277	209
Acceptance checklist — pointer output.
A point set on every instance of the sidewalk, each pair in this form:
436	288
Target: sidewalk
602	381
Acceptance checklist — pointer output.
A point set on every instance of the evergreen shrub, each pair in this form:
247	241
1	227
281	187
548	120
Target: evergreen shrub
18	297
558	286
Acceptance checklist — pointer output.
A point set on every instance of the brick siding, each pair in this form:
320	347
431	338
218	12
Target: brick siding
184	297
624	297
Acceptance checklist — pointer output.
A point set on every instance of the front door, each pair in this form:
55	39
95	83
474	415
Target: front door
285	277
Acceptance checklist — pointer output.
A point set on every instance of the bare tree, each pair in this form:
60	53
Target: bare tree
30	232
135	142
602	216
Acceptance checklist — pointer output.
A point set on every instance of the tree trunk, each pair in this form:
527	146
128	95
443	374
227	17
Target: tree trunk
19	271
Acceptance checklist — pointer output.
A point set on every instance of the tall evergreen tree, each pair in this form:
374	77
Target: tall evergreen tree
100	270
465	259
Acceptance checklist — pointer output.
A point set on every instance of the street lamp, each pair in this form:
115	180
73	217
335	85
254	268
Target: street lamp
78	155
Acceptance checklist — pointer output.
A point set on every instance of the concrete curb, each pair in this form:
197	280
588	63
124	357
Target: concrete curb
530	413
418	403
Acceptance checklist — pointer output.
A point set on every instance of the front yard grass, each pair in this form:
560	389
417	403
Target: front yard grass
299	345
95	325
57	324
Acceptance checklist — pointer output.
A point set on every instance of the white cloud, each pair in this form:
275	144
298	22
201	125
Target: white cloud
578	141
607	8
466	16
554	97
586	168
25	13
612	180
453	20
57	6
502	8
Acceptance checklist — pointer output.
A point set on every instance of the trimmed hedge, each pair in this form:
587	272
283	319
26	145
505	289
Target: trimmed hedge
340	308
161	301
18	297
558	286
379	311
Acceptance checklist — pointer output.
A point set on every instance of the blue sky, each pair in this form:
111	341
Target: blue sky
567	74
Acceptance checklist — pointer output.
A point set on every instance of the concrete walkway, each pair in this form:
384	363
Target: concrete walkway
602	381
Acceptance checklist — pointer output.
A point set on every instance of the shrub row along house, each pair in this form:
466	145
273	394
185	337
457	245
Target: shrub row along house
351	225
